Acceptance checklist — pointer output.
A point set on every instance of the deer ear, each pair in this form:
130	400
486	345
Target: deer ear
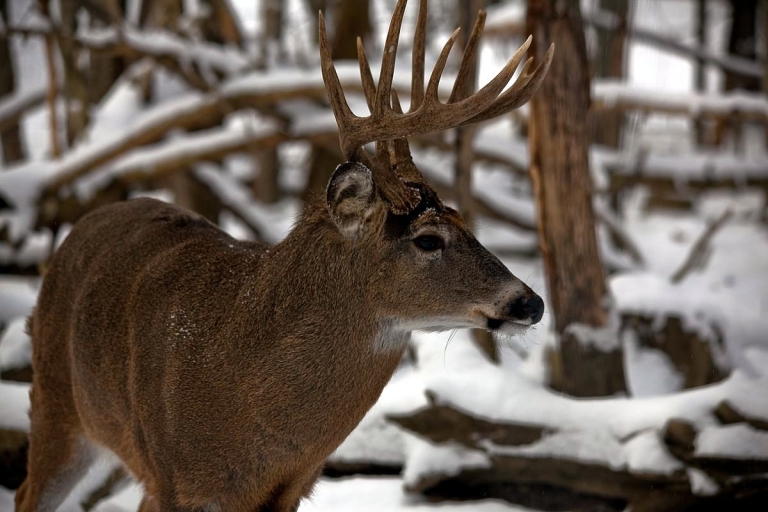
352	199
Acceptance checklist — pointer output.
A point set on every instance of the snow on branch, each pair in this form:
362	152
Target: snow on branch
195	61
181	152
14	106
732	63
509	21
617	95
700	166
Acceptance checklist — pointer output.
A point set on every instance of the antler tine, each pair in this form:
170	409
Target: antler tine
366	77
396	107
521	91
468	60
419	52
437	72
388	60
400	151
453	114
335	92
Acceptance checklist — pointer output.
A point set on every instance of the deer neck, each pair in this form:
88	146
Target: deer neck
318	291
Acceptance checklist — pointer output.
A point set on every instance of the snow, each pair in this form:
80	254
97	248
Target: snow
604	338
501	15
448	459
649	372
645	293
596	446
702	166
163	43
17	297
737	441
611	431
701	484
646	454
14	402
235	133
19	101
15	346
383	494
612	93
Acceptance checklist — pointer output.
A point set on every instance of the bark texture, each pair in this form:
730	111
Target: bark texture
559	144
351	19
609	63
10	138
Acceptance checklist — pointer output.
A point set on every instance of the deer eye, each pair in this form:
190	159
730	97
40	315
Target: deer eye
429	243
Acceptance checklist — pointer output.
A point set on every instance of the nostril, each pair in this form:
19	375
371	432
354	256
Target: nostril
534	307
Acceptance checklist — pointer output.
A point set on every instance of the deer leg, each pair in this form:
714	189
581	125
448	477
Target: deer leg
58	459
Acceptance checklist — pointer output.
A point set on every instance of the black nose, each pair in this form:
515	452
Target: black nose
528	307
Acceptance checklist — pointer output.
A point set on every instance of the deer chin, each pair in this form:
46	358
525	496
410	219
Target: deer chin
507	327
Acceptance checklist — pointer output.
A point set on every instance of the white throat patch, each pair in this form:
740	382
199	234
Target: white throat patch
390	338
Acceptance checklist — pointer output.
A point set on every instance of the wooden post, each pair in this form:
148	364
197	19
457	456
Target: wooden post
559	155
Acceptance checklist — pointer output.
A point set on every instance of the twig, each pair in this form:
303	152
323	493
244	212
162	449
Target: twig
698	253
53	89
622	238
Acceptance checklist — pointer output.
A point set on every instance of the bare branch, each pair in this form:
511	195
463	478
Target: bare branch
697	256
612	224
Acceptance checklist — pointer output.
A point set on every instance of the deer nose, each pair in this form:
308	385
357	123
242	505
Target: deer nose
528	307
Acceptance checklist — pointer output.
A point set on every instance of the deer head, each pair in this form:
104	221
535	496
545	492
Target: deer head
434	273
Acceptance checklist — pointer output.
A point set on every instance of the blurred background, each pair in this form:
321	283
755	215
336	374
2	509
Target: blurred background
630	193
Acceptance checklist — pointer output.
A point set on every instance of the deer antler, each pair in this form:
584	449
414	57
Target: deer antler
388	126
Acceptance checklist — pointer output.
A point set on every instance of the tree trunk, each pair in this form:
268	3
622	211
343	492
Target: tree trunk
266	184
104	70
609	63
559	170
701	66
351	18
13	150
742	42
222	25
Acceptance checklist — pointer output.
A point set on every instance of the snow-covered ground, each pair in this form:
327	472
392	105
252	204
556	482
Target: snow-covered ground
375	494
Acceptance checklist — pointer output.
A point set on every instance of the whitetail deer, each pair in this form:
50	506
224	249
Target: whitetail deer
223	373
